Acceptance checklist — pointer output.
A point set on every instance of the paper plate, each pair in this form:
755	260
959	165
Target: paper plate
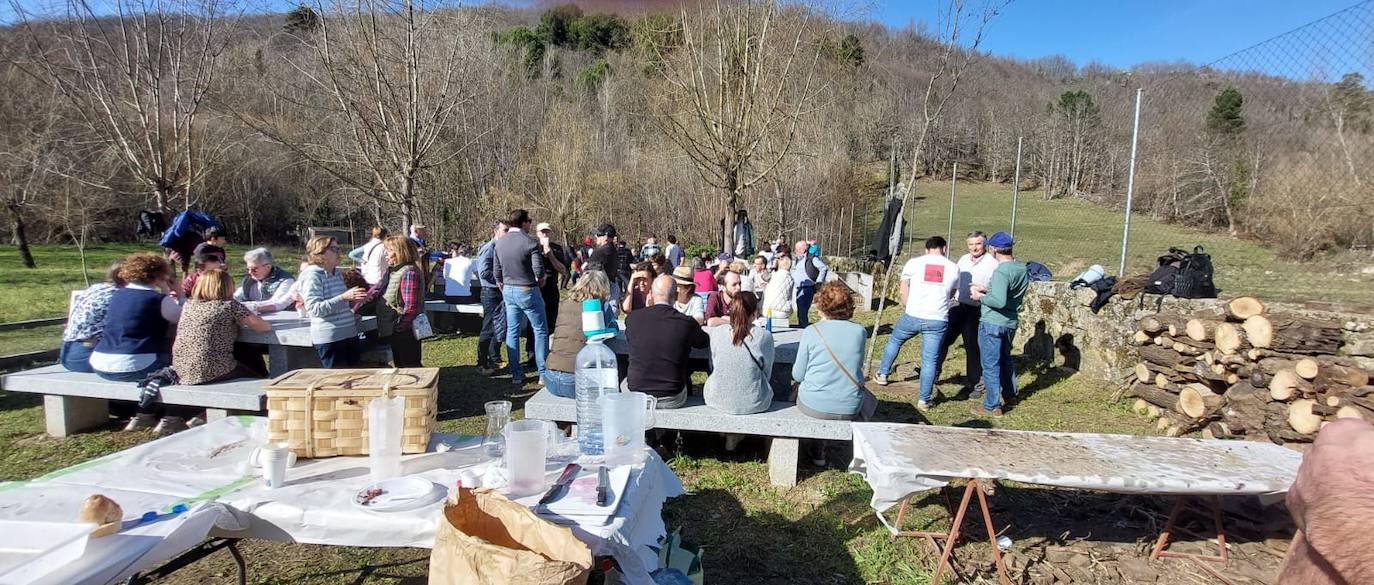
400	494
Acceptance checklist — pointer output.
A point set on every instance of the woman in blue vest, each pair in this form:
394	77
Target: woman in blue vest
136	339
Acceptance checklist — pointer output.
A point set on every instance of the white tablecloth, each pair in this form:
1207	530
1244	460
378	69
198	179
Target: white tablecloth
898	460
207	467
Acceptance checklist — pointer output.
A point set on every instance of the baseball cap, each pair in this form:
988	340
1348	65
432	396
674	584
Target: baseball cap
606	229
543	226
683	275
1001	240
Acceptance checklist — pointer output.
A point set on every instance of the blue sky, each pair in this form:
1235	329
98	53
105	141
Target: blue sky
1122	33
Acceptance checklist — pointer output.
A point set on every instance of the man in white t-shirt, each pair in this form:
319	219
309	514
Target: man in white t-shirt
927	291
459	276
975	268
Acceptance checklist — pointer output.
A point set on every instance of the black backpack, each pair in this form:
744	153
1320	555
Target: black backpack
1165	276
1194	279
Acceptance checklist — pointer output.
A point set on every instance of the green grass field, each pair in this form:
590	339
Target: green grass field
1069	235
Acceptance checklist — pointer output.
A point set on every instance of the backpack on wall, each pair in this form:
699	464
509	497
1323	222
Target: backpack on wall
1194	279
1165	275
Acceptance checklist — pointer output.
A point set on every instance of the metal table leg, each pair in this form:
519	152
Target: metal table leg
189	557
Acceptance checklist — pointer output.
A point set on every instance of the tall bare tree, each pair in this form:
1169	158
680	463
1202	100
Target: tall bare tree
388	84
136	74
736	90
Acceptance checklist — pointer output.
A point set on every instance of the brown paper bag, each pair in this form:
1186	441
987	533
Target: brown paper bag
486	538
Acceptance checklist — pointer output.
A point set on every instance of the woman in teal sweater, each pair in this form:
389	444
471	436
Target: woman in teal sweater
829	364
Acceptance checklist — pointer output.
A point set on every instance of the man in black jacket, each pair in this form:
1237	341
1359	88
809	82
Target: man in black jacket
660	341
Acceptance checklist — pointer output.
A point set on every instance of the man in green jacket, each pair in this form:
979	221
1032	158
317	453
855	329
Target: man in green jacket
1001	301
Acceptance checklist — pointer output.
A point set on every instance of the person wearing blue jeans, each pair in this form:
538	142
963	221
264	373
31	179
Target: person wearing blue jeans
1001	301
994	343
525	305
518	267
927	291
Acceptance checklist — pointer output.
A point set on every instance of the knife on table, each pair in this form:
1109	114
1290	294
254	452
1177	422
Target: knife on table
559	486
603	487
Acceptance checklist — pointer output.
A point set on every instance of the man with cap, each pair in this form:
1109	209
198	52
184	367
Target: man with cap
975	268
605	258
1001	301
556	263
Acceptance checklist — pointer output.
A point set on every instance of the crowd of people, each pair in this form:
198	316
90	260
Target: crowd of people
144	321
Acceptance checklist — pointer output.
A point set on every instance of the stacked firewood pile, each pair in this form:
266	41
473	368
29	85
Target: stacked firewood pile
1245	373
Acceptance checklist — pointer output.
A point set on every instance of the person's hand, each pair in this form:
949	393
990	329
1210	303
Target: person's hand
975	294
354	294
1332	504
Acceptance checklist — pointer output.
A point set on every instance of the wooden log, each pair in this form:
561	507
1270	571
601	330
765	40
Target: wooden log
1165	357
1198	401
1229	338
1185	349
1153	411
1351	412
1330	374
1293	334
1153	395
1140	406
1302	419
1142	338
1218	430
1306	367
1242	308
1151	325
1285	385
1200	329
1291	436
1231	378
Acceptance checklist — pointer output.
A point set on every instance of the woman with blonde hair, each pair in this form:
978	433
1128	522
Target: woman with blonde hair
778	301
402	296
567	338
203	352
333	327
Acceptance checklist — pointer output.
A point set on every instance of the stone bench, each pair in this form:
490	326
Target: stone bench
447	307
783	422
73	401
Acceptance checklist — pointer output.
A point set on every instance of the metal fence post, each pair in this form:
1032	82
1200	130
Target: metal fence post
953	178
1130	185
1016	187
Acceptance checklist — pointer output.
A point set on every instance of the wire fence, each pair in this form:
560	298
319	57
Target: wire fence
1262	157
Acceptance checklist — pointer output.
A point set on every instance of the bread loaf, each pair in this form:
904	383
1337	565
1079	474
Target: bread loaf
103	511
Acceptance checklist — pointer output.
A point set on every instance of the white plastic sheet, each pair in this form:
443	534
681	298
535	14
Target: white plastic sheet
898	460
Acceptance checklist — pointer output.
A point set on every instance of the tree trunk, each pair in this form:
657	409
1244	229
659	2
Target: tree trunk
21	236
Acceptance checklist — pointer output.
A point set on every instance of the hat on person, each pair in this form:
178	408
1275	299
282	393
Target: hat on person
1001	240
683	275
606	229
543	227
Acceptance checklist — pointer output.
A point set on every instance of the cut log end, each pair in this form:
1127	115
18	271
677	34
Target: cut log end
1302	419
1242	308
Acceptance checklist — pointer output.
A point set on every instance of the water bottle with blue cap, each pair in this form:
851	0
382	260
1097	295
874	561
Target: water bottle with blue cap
595	373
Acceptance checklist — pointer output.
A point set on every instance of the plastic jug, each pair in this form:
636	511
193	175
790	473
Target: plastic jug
385	417
594	375
526	444
625	416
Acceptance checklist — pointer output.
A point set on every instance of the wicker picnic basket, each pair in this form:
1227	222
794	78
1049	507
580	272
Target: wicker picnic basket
322	413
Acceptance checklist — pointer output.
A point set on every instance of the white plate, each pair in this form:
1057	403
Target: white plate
400	494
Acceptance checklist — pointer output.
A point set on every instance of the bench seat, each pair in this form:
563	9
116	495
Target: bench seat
447	307
74	400
782	421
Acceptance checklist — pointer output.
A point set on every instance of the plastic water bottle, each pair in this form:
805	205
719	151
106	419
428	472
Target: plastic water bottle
594	374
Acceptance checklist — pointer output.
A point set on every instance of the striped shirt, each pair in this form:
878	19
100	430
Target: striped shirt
330	317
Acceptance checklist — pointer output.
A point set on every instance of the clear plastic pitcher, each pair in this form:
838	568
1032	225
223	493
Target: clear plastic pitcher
525	449
385	417
625	416
498	415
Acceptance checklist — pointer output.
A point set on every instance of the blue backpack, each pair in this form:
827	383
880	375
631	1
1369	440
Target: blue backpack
1038	272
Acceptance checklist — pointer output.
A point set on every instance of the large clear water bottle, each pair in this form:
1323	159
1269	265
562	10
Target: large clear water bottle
594	374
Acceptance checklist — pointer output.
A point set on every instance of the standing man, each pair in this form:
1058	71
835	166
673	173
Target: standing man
519	268
1001	300
604	257
650	247
808	271
975	269
493	333
556	263
371	257
419	234
927	290
674	252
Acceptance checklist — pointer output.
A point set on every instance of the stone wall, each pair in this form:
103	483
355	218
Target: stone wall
1057	324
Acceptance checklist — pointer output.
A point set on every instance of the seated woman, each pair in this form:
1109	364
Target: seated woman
704	278
830	362
135	341
87	320
687	301
567	338
333	327
639	288
203	352
741	362
779	296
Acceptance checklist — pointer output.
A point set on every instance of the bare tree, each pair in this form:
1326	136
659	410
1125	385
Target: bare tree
136	74
388	83
736	90
959	50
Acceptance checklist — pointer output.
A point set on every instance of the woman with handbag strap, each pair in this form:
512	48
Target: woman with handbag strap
741	361
830	362
402	301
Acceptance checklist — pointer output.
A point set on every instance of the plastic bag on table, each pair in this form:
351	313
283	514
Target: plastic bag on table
486	538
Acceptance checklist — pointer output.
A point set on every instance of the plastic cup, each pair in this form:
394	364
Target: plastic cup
526	441
273	459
